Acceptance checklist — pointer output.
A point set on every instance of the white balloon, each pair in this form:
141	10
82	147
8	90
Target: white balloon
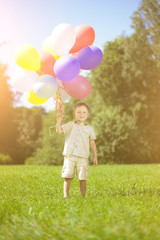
64	95
63	38
46	86
25	82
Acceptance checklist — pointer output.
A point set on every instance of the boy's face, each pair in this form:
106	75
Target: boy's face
81	114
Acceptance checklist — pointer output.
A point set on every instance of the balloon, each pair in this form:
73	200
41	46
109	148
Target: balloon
47	64
27	57
34	99
66	68
89	57
85	36
25	82
64	95
45	87
78	88
63	38
47	47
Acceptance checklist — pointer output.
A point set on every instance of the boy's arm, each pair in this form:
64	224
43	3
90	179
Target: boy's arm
94	150
63	128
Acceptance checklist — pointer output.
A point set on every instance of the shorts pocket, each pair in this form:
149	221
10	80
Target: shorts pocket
67	173
63	170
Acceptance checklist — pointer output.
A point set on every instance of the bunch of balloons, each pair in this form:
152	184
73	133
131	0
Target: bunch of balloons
65	52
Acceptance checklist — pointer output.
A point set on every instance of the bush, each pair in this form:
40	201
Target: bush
5	159
49	148
30	161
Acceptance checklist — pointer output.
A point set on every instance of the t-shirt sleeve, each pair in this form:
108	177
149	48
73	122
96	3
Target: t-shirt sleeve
66	127
92	134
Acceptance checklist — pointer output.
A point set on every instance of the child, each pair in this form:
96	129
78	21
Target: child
79	135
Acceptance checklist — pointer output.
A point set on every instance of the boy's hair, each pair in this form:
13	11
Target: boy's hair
81	104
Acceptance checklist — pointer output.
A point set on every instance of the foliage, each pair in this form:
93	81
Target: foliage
145	22
122	202
124	103
5	159
115	131
6	111
49	148
29	161
29	124
127	84
25	132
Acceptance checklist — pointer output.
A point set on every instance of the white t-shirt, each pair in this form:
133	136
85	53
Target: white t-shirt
77	139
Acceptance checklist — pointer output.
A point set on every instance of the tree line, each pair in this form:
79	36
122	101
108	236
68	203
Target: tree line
124	103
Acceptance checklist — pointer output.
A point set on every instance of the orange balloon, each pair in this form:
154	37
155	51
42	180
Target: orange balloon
85	36
47	64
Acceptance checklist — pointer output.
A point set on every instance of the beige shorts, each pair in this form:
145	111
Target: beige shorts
71	163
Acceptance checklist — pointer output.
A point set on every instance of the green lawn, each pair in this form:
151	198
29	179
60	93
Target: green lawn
122	202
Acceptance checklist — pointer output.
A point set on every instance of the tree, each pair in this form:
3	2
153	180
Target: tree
146	23
49	147
27	127
125	97
6	110
127	83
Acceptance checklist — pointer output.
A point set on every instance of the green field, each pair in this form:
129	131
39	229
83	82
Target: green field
122	202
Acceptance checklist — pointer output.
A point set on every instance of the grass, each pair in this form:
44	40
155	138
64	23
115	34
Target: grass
122	203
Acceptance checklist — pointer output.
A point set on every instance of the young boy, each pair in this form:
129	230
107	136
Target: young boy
79	135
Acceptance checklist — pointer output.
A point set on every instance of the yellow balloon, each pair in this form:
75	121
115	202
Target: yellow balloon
34	99
47	46
27	57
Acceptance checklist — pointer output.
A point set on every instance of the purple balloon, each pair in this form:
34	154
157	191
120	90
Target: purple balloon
89	57
66	68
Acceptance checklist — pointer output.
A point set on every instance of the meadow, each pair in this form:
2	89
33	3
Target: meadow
122	203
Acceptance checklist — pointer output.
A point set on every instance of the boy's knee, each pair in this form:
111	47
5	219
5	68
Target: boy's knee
68	179
82	181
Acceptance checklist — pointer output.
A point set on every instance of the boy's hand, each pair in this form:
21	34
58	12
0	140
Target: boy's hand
95	161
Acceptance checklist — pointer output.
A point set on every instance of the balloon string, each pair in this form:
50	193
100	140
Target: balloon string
59	108
59	104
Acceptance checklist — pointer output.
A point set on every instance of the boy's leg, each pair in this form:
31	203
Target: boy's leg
68	173
67	182
82	187
82	173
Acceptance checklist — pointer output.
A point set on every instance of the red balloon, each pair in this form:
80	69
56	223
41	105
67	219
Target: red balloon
47	64
85	36
78	88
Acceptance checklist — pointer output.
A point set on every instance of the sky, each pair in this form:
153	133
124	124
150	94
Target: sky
32	21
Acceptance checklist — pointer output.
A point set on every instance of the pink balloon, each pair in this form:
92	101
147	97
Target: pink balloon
78	88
